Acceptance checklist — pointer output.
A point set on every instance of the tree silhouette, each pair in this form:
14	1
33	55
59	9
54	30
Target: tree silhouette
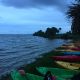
74	14
49	33
39	33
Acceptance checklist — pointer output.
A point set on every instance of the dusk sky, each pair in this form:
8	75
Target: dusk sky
28	16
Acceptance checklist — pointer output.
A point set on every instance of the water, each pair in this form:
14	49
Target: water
17	50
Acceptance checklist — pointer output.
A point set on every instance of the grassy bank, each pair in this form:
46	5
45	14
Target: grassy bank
44	61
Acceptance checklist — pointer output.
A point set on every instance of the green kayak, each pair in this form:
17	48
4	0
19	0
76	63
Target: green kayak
16	76
63	73
35	77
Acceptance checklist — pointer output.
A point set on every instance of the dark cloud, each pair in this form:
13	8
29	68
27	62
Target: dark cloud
35	3
31	3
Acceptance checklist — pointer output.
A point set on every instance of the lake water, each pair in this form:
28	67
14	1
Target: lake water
17	50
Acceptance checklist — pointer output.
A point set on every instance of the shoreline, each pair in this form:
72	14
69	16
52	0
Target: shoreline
45	60
30	68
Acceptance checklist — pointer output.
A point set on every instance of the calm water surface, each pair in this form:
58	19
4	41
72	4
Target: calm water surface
17	50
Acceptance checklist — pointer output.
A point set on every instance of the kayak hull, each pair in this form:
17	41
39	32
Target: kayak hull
63	73
71	66
71	53
68	47
67	58
65	50
16	76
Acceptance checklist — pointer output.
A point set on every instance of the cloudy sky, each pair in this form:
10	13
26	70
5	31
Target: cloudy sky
28	16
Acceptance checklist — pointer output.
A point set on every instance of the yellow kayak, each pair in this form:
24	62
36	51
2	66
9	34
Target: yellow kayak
68	65
68	50
70	46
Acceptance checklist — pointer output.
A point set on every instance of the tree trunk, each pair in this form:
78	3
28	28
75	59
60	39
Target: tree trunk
76	26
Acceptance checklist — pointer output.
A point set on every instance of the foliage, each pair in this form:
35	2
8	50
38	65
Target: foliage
74	14
49	33
67	35
39	33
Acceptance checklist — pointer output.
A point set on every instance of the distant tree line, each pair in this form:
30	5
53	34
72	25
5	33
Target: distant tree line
49	33
67	35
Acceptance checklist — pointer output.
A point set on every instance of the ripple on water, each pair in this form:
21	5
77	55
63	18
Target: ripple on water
17	50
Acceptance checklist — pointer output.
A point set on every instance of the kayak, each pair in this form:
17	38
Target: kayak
63	73
68	65
67	58
34	77
65	50
75	49
16	76
71	53
69	46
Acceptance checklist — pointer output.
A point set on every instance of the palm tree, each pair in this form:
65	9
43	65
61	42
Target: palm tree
74	14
